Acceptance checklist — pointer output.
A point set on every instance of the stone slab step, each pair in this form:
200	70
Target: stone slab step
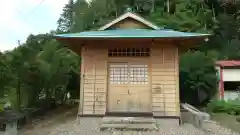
127	120
132	127
134	133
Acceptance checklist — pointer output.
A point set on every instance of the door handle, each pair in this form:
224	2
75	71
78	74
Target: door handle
128	92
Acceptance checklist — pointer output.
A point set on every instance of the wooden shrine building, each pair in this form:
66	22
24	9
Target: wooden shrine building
130	67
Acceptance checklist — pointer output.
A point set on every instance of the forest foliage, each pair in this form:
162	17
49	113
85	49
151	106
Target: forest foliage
42	69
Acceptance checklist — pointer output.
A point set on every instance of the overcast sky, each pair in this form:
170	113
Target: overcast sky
18	20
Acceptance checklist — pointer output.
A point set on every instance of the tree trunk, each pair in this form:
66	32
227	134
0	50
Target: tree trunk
153	6
47	98
168	6
18	93
213	10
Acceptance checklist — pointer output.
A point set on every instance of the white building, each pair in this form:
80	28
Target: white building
229	79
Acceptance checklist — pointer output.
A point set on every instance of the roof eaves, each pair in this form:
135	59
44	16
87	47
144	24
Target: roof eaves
228	63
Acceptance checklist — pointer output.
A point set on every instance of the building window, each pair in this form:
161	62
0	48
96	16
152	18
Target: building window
128	74
2	127
138	74
129	52
119	73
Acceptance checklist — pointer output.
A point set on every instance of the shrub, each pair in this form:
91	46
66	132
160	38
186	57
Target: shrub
216	106
220	106
234	107
197	78
1	107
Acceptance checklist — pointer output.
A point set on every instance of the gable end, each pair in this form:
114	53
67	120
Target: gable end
131	16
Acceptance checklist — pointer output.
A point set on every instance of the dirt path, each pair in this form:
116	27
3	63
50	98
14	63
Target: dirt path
49	121
63	122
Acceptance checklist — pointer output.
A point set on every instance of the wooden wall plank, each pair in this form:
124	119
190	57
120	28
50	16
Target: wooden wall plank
164	82
129	23
177	81
156	82
95	80
81	102
163	78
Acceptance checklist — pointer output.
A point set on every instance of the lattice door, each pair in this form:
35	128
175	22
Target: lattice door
128	82
140	93
138	73
128	74
118	73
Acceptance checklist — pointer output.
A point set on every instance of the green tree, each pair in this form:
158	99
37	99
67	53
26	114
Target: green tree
198	78
65	22
187	15
82	16
5	74
54	64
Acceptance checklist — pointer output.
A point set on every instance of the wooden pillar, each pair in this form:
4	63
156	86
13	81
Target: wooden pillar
221	84
80	112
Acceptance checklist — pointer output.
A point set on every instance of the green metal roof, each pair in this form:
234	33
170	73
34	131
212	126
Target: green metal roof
132	33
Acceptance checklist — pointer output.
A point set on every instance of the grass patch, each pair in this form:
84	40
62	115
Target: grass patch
11	97
1	107
220	106
226	120
1	104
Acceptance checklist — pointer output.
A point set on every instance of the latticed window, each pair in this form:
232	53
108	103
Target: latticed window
119	73
138	74
129	52
128	74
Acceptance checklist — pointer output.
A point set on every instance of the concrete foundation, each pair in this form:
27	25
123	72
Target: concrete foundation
93	125
193	116
167	122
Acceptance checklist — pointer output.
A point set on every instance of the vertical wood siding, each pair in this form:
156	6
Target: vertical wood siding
94	80
163	85
165	91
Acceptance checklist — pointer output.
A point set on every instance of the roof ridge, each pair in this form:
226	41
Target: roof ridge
133	16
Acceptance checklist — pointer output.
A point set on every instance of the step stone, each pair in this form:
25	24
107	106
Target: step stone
128	120
134	133
128	124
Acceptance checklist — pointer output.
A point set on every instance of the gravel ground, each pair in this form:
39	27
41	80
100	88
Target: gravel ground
212	127
70	127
